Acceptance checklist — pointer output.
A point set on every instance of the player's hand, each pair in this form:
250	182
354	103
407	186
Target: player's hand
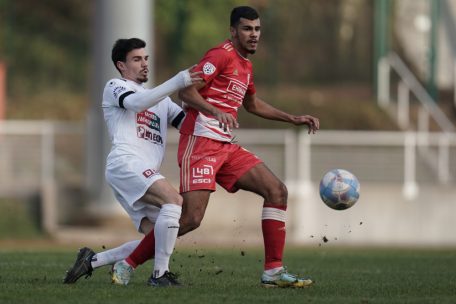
312	122
195	76
227	122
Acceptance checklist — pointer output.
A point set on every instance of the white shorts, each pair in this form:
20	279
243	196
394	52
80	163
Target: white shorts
129	178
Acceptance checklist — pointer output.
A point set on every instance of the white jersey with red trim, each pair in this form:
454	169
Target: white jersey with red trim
142	135
228	77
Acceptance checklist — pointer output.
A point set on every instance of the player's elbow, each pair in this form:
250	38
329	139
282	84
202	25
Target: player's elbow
250	107
184	94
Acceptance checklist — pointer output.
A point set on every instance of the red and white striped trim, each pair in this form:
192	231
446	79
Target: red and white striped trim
274	214
186	161
222	103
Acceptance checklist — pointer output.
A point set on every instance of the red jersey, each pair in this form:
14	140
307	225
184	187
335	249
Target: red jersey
228	77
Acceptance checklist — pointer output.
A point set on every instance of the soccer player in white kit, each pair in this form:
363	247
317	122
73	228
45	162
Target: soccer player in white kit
137	120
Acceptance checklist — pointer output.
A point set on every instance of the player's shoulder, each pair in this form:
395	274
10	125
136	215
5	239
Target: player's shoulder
116	87
115	82
225	48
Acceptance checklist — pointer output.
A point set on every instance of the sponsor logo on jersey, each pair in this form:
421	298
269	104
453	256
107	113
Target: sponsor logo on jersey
148	173
149	119
237	88
147	134
208	68
202	175
235	72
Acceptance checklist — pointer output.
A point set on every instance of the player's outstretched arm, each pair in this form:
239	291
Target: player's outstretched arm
257	106
193	98
141	101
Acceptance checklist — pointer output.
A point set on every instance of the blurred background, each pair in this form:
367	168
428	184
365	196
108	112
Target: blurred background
380	75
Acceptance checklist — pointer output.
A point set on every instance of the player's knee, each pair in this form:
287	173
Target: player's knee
278	194
189	223
176	199
179	200
194	222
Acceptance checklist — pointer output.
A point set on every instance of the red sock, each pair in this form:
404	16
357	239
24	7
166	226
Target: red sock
273	226
145	251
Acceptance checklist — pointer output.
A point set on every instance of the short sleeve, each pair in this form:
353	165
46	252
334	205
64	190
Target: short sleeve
175	114
251	90
115	92
212	64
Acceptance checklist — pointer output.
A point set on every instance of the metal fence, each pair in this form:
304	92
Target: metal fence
48	159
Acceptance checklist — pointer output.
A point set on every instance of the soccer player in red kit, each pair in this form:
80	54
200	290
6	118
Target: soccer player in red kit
207	154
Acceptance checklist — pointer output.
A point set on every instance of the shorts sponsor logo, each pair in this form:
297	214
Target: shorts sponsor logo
207	158
202	175
148	173
208	68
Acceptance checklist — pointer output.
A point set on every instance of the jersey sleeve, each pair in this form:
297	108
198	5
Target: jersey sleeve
115	92
251	87
212	64
176	114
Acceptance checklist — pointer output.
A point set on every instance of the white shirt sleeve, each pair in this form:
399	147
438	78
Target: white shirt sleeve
175	114
140	101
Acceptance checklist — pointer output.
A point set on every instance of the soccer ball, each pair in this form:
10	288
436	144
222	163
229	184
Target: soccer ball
339	189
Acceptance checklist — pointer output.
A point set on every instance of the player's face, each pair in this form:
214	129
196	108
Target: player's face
246	36
135	67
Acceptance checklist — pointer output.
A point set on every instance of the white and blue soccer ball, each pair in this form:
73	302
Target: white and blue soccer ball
339	189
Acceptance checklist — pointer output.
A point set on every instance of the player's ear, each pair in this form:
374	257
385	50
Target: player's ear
233	31
121	65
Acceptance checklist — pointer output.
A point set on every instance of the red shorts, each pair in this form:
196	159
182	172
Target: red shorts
204	162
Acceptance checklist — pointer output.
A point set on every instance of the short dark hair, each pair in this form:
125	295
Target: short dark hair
123	46
239	12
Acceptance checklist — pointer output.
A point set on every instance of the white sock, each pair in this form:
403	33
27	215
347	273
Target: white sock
273	271
113	255
165	231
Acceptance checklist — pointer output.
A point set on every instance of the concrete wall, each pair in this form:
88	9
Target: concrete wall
380	217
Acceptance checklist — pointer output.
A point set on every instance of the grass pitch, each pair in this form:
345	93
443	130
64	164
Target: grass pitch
232	276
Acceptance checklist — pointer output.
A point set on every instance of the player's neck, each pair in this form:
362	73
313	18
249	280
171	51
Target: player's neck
240	50
132	80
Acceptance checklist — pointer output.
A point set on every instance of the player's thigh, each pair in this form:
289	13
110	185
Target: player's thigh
262	181
161	192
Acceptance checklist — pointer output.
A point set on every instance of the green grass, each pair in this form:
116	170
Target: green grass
232	276
18	219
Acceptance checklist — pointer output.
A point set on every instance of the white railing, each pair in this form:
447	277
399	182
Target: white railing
298	158
428	109
410	142
44	181
408	83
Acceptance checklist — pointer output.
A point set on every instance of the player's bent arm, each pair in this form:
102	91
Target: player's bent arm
141	101
193	98
260	108
257	106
